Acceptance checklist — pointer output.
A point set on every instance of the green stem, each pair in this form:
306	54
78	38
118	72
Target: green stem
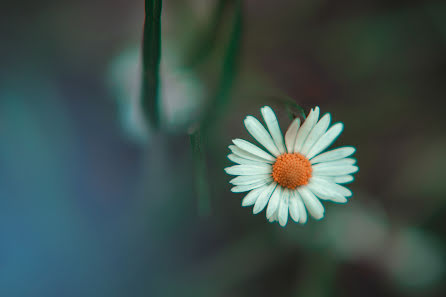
229	70
203	47
201	181
151	49
231	59
217	105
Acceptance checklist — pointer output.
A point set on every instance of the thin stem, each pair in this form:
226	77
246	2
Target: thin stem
201	181
151	48
229	70
207	40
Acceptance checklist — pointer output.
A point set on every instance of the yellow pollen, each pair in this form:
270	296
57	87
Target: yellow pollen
292	170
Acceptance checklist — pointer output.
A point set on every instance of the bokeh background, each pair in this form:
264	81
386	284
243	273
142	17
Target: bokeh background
94	202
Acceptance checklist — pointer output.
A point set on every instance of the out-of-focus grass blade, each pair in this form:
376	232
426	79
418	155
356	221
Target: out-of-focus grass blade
199	135
207	39
201	181
151	49
231	58
229	69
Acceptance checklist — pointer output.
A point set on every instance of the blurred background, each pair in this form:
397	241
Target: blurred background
95	202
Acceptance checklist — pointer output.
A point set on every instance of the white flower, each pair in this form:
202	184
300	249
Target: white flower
293	174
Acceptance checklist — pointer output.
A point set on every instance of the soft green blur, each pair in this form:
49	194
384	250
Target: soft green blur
96	201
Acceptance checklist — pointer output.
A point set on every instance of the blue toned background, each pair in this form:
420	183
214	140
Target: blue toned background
94	203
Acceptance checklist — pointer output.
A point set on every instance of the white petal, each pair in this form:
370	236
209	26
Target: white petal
291	134
325	190
248	169
283	208
256	129
253	149
326	140
334	155
306	128
239	160
294	208
244	154
343	179
273	127
335	170
302	211
319	129
246	188
343	190
274	218
338	163
331	186
263	199
314	206
249	179
273	203
252	196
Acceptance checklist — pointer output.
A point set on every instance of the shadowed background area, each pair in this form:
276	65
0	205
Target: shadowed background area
94	202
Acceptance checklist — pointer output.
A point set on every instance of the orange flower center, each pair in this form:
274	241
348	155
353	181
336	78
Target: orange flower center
292	170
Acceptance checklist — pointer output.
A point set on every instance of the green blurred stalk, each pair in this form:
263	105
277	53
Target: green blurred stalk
228	75
203	47
231	59
200	172
151	49
217	106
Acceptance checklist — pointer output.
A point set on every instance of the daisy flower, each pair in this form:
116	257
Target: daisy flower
292	174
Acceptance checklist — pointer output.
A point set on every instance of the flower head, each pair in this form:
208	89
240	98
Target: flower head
294	173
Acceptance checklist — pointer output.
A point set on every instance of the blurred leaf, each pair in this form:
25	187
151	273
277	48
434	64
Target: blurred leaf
201	182
231	58
293	109
229	70
198	135
207	39
151	61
